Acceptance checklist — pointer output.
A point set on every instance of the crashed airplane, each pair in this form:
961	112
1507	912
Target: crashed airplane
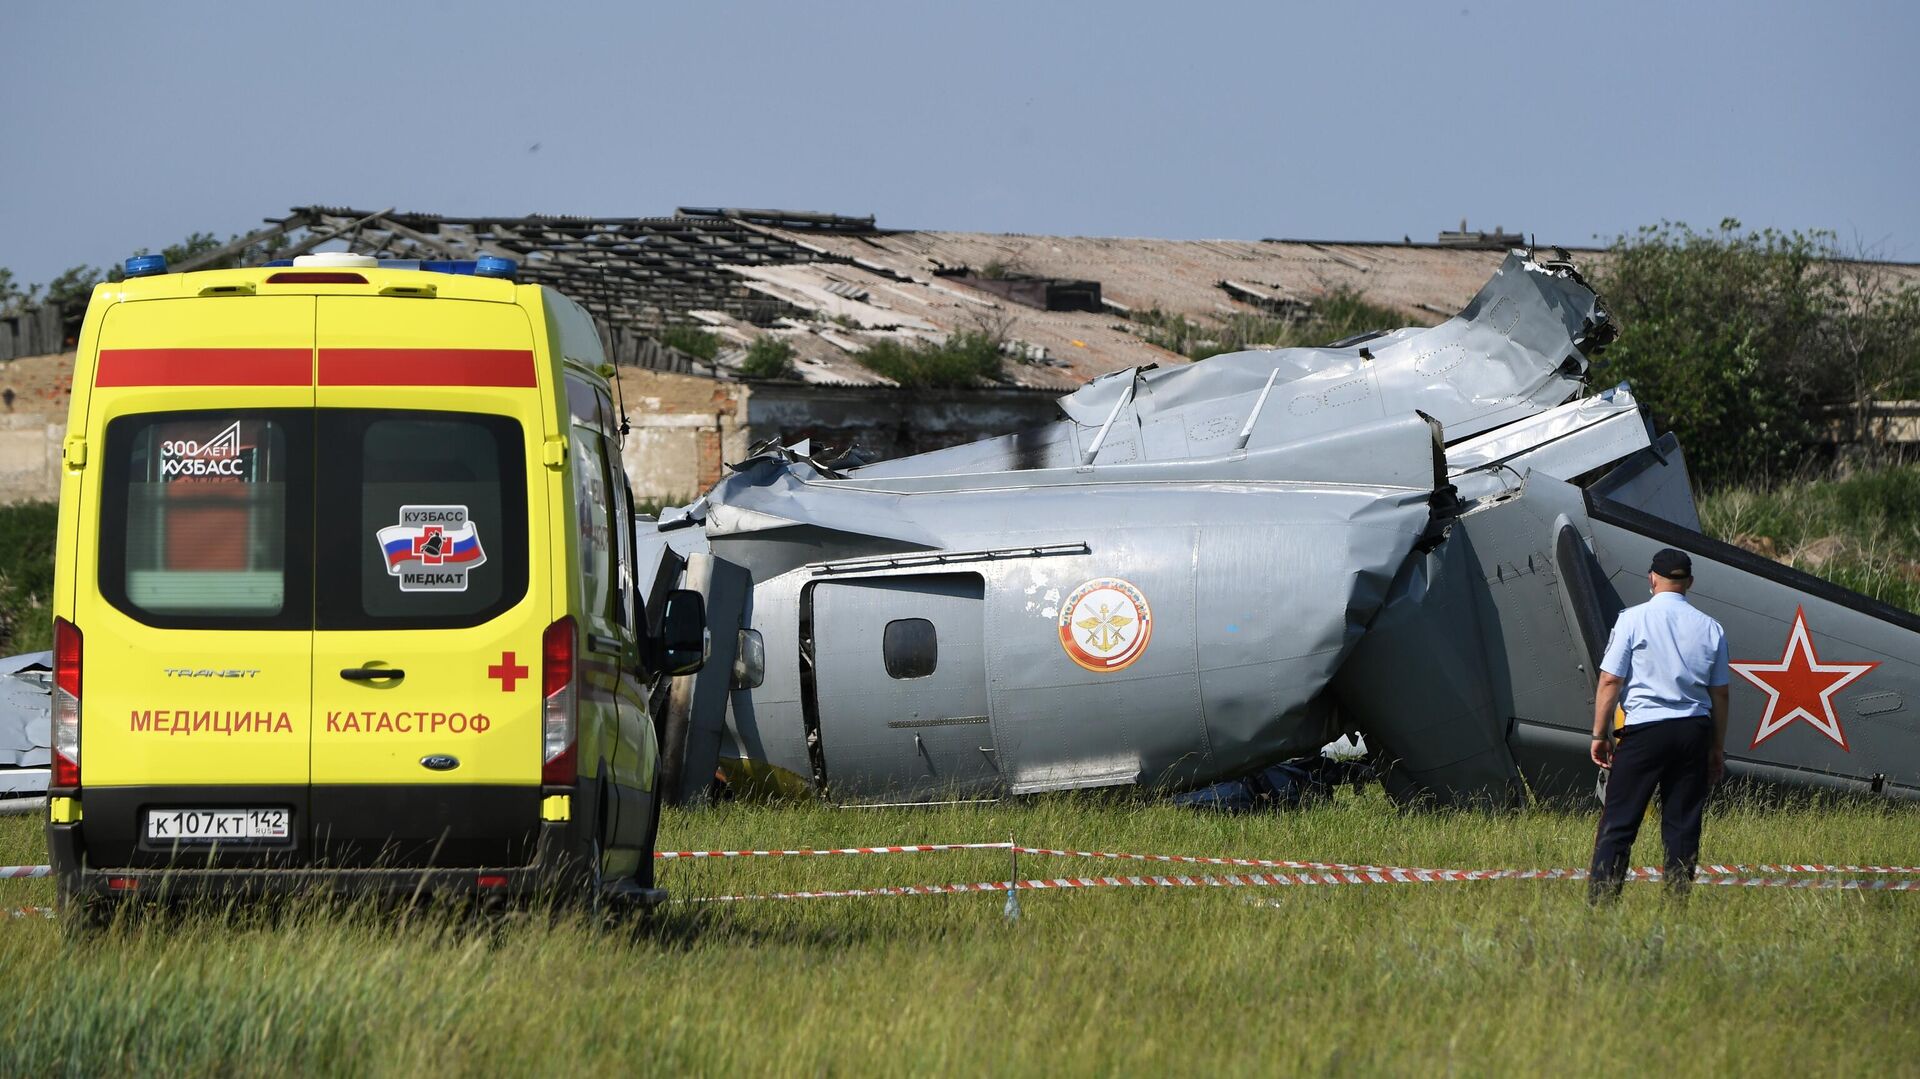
1419	536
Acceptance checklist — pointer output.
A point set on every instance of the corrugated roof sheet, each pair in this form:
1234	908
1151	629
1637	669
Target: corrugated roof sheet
832	285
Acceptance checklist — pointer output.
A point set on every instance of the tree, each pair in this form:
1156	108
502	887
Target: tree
1740	340
1755	346
199	243
1875	333
73	286
13	298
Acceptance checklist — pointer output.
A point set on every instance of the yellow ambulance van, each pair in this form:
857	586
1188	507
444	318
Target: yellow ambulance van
346	591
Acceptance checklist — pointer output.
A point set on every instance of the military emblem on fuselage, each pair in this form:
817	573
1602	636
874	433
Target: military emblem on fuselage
1800	686
1105	625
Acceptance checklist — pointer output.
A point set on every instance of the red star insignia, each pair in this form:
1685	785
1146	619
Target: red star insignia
1799	686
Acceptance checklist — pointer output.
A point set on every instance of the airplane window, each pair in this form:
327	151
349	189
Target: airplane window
910	648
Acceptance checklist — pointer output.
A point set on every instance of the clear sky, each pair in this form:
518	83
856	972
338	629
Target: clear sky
130	125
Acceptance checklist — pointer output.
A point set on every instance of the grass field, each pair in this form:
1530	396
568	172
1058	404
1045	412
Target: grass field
1491	977
1860	531
1476	978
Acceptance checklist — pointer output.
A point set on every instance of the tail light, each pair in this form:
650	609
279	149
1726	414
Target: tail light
557	675
66	703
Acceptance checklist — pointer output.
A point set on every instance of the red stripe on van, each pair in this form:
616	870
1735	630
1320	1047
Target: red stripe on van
204	367
426	367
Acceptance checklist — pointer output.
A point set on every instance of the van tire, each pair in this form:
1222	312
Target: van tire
596	875
81	916
643	876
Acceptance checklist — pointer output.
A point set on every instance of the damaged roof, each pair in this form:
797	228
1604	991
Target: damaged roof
831	285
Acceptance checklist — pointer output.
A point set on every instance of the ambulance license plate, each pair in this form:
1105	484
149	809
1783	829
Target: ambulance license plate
217	824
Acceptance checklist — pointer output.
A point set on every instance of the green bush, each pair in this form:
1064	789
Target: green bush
964	359
1173	332
1747	344
691	340
768	357
1339	313
27	534
1720	336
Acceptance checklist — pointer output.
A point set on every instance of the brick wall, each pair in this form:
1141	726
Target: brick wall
32	425
684	429
30	456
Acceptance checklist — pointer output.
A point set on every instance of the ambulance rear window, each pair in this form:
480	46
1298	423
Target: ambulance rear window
421	518
297	518
204	518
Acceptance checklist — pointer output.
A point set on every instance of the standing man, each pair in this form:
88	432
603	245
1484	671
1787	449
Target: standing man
1671	661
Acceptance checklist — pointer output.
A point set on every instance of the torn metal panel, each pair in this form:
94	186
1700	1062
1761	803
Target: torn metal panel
1420	682
26	723
1208	569
696	708
1654	481
1528	436
1329	521
1563	442
1518	349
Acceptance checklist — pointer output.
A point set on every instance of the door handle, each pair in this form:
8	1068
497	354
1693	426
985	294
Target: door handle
373	674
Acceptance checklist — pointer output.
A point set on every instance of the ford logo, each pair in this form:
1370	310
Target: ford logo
440	762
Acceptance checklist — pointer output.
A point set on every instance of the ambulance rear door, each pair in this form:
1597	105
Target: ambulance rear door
194	582
430	612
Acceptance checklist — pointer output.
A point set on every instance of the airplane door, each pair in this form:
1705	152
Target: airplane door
900	676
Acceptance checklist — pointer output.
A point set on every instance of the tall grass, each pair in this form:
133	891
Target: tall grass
1861	531
1496	977
768	357
1339	313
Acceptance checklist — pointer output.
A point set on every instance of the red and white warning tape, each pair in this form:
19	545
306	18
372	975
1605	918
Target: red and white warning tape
1266	863
1244	880
1459	874
910	848
1306	873
1317	873
1735	870
7	871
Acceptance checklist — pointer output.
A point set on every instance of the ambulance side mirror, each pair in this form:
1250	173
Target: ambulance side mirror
684	638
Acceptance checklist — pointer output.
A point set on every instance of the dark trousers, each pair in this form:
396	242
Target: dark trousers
1671	756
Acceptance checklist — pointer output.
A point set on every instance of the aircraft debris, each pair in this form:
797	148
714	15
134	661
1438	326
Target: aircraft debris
26	724
1418	535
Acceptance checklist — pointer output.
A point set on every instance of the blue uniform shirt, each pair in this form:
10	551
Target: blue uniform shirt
1668	653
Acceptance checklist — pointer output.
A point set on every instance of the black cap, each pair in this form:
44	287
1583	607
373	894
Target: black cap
1672	564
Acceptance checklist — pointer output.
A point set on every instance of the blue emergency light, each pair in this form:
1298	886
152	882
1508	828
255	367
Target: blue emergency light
146	265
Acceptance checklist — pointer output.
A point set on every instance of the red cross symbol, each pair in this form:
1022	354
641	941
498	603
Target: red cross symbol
507	671
427	545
